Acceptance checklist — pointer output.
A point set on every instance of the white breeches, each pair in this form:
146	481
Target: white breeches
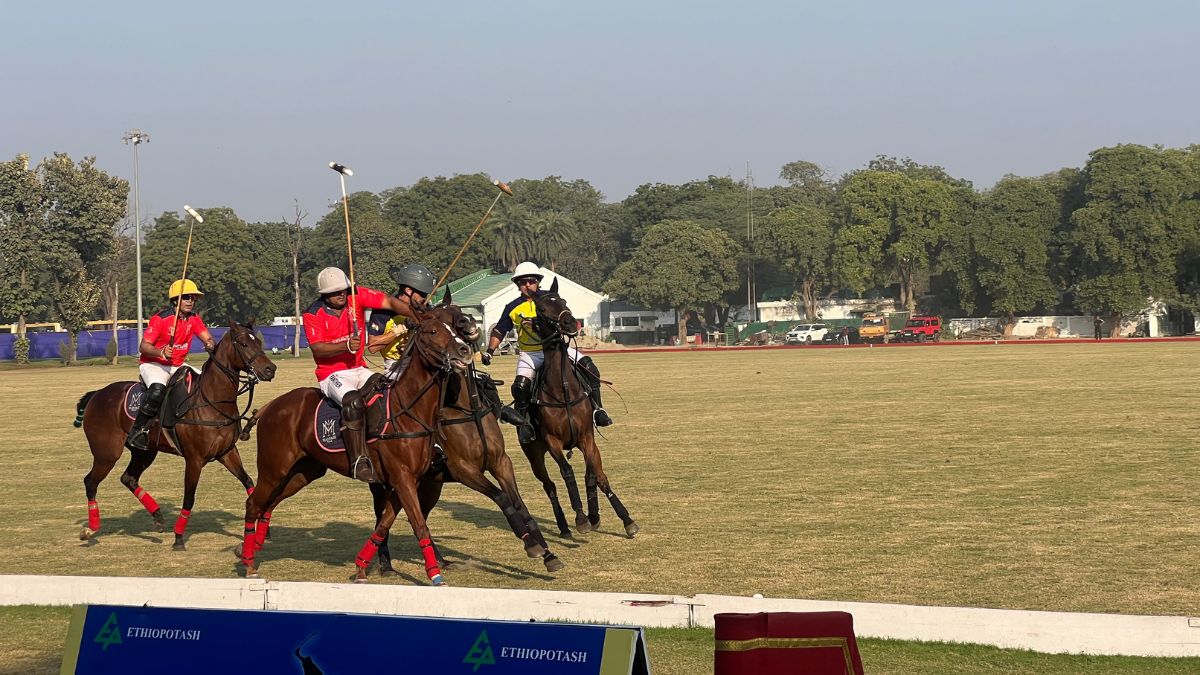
337	385
529	362
157	373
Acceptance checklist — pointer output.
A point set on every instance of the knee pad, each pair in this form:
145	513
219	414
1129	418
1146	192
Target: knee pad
156	393
352	405
521	387
585	362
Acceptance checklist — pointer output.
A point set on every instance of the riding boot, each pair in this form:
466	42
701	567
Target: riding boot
592	374
138	438
518	413
355	436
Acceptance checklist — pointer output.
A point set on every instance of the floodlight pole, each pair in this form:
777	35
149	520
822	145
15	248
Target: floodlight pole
134	138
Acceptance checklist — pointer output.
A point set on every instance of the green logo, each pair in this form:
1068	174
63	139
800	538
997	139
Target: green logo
480	653
110	633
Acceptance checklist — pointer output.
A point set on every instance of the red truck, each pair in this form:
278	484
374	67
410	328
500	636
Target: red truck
922	328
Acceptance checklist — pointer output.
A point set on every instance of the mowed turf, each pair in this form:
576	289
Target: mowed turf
1055	477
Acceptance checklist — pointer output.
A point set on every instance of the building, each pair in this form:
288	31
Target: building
484	294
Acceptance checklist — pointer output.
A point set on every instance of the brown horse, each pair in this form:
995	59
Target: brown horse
207	427
468	431
563	419
289	456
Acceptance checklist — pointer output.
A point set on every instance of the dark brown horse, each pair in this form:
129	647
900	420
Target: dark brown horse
207	428
289	456
468	431
563	419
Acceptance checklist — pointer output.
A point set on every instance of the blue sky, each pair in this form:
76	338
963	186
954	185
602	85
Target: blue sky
246	103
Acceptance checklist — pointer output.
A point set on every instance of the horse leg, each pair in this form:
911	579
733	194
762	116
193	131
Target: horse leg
133	473
271	491
564	467
191	478
406	493
593	499
232	461
591	456
536	454
91	484
502	469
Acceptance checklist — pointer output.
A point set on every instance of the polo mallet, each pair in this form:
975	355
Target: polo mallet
343	171
186	252
504	190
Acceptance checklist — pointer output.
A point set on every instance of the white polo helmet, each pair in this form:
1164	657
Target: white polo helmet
527	269
332	280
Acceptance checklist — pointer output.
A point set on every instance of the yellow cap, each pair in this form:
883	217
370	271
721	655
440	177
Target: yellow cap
183	287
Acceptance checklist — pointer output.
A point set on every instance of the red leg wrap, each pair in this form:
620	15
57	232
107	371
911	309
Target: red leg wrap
248	544
181	522
146	500
93	516
431	566
260	534
367	554
249	490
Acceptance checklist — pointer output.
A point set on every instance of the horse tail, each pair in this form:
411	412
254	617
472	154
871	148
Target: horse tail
79	407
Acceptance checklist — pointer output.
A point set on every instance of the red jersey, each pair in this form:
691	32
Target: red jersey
322	324
159	333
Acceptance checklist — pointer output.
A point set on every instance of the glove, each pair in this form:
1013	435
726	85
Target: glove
399	329
210	347
486	358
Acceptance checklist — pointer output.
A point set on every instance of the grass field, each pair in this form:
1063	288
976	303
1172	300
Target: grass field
1057	477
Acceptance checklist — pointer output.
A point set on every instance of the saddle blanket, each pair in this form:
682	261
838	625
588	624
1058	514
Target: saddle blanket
327	423
137	393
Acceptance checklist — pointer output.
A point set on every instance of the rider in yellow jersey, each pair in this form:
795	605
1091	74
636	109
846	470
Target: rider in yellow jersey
519	314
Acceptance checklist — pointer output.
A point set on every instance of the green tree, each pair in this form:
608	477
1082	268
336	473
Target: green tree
1011	245
601	243
1128	236
442	212
381	247
82	206
891	224
799	239
679	265
20	252
510	230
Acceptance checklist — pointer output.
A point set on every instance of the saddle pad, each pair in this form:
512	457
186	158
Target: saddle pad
137	393
133	399
327	424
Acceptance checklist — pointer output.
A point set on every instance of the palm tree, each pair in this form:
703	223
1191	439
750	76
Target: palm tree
553	231
511	231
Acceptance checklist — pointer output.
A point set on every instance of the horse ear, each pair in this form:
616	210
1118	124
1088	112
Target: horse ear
250	323
554	286
446	298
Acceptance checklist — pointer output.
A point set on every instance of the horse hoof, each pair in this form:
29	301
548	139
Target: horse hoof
594	520
360	579
178	546
535	551
86	533
566	534
159	523
632	528
237	551
553	564
252	574
388	571
437	580
583	526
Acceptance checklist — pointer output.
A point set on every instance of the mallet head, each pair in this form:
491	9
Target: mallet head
192	212
503	187
341	168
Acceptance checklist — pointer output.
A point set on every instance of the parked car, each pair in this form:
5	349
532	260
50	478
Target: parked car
834	335
806	333
921	329
874	328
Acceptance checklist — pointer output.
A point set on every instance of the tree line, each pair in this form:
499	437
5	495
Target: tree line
1102	239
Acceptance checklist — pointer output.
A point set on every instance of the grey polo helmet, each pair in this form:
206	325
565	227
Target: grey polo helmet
416	277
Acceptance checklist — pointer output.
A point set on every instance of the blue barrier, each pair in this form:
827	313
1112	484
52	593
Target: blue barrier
94	343
110	639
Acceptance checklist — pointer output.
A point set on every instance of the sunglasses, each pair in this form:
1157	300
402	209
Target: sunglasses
187	297
526	281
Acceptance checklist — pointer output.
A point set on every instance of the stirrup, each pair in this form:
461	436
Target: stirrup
138	439
525	433
363	470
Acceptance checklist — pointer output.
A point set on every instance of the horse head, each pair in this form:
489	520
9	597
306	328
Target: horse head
464	325
438	345
242	351
554	318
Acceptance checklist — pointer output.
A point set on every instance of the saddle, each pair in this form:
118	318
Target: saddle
327	418
179	388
